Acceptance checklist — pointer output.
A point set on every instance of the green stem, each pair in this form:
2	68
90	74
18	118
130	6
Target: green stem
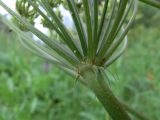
153	3
134	112
96	82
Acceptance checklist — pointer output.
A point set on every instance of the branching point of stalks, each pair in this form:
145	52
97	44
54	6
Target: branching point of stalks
98	43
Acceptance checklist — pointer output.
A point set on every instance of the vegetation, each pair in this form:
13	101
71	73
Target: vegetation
91	60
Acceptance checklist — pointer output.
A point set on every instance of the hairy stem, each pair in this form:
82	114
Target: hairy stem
95	81
118	110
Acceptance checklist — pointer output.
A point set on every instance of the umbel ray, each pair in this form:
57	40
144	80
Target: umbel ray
101	40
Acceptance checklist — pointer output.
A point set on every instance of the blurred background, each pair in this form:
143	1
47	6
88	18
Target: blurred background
31	88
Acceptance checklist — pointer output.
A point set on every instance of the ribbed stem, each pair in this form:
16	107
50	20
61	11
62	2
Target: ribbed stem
95	81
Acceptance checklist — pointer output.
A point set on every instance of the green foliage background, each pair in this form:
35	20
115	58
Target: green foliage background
33	89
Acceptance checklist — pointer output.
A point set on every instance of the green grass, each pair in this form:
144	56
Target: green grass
30	91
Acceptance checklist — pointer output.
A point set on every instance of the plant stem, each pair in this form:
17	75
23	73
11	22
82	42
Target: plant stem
96	82
153	3
134	112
